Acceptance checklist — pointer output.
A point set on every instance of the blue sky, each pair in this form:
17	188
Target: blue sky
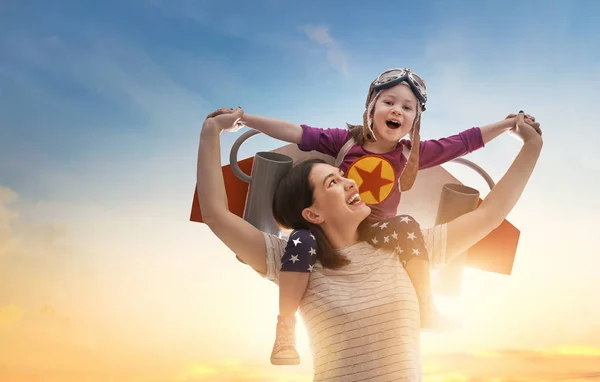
101	105
82	81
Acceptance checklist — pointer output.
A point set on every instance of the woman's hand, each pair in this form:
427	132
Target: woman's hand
529	119
224	119
525	131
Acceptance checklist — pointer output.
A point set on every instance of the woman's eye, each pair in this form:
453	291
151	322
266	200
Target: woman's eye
333	181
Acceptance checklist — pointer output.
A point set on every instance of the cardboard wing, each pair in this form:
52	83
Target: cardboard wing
494	253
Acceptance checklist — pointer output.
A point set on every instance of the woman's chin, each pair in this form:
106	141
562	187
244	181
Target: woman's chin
363	209
354	212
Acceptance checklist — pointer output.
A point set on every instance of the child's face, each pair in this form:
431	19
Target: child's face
395	112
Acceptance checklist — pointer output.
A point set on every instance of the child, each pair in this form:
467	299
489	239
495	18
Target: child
382	165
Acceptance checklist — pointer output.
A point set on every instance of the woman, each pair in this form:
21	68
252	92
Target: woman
361	312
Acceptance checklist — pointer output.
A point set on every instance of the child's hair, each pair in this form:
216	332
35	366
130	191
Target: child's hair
356	131
293	194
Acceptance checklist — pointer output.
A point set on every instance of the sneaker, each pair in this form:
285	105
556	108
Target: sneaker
284	350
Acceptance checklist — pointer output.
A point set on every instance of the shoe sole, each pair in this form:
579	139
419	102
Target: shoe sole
285	362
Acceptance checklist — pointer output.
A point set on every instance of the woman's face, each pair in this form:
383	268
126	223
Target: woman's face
336	199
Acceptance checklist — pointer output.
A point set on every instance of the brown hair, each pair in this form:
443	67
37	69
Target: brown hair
357	133
293	194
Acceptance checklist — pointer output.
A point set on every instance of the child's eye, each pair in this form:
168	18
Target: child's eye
388	102
407	108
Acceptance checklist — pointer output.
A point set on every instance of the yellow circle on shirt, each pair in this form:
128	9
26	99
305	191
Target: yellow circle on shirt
374	176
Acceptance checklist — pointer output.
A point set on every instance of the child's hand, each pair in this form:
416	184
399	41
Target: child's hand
524	131
529	119
236	125
223	120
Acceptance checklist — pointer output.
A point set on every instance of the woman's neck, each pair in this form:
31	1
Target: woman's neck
341	235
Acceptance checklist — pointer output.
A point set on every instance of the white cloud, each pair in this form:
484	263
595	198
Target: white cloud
8	243
319	34
35	262
335	55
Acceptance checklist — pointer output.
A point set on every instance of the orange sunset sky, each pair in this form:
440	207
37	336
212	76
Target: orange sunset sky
104	278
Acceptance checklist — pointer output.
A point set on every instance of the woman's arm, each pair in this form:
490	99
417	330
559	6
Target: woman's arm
246	241
466	230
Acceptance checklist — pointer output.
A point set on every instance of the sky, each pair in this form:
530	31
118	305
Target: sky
104	278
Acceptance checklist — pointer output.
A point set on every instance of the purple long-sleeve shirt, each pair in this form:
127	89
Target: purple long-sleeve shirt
377	174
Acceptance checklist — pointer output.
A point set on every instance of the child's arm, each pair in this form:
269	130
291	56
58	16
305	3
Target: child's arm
493	130
326	141
435	152
282	130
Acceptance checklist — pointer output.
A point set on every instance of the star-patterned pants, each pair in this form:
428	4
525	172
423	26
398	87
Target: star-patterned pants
402	234
300	252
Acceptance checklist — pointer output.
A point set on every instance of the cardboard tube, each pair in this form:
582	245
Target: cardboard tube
455	200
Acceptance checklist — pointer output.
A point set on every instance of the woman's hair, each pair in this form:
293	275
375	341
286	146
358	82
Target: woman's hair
293	194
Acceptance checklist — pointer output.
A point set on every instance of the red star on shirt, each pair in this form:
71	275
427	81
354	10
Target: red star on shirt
373	181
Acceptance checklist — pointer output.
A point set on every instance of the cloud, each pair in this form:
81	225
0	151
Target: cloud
242	371
32	254
9	314
8	244
146	93
514	365
319	34
33	271
335	55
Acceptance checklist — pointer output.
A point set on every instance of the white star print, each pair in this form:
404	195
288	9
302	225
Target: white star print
399	250
383	225
296	242
405	219
416	251
311	235
312	252
374	224
374	240
310	267
411	236
395	235
386	239
294	259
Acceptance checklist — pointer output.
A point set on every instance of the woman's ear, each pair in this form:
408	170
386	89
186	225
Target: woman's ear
312	216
